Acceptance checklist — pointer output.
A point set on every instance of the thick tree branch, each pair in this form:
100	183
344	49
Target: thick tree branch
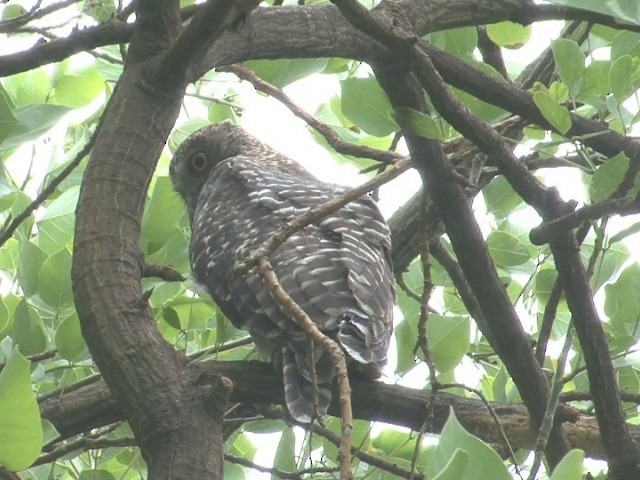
614	206
76	410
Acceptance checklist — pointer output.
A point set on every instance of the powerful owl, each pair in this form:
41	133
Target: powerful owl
238	192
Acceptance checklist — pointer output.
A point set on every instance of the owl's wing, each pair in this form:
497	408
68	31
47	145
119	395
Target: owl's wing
337	270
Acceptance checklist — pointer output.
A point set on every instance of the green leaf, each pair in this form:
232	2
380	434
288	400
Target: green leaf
181	133
459	42
27	329
162	215
243	447
69	340
29	264
285	71
506	249
622	299
34	121
98	474
483	461
417	123
449	339
556	115
569	61
367	106
76	86
624	77
607	178
500	198
28	88
595	82
285	454
454	469
570	467
10	256
54	280
10	12
5	320
622	9
508	34
395	443
8	120
20	427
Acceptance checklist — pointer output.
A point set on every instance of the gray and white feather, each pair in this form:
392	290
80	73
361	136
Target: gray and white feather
238	192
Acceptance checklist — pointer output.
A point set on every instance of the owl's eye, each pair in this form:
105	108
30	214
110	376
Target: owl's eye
198	161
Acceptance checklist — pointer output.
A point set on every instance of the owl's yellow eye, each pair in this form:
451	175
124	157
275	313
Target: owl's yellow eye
198	161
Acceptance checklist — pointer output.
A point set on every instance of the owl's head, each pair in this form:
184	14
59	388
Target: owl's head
201	152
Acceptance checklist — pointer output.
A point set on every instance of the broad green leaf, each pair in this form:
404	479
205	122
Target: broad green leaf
8	120
625	43
454	469
556	115
54	280
483	461
417	123
624	77
264	426
623	9
285	71
62	205
68	339
607	178
395	443
34	121
460	42
9	256
367	106
508	34
506	249
406	339
28	88
595	82
569	61
285	454
77	86
27	329
20	427
243	447
100	10
9	12
180	134
5	320
162	215
233	472
570	467
99	474
500	198
448	340
29	264
622	299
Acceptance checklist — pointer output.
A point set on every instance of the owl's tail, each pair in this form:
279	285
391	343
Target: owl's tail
304	400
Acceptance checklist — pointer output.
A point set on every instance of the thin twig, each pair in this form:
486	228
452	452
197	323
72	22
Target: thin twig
241	342
322	128
374	461
276	472
334	351
552	405
427	288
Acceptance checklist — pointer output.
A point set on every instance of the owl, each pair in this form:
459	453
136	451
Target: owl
238	191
